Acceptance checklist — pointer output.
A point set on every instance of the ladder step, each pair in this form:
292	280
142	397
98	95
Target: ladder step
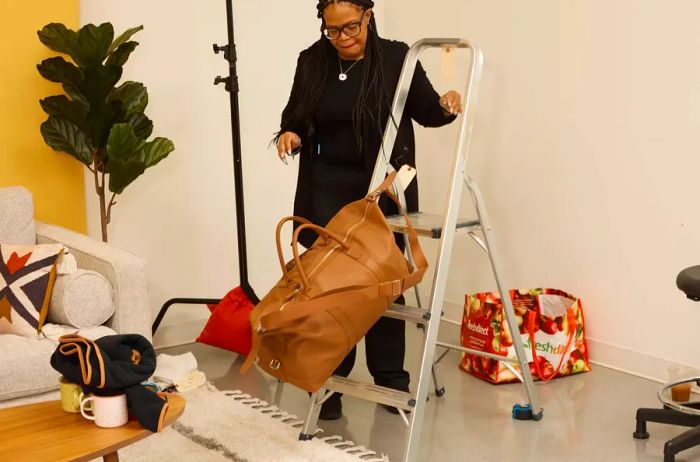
429	225
408	313
371	392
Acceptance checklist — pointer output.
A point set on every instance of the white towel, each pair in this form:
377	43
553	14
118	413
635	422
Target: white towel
169	369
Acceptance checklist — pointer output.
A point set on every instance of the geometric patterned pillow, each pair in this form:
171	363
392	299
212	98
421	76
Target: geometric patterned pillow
27	274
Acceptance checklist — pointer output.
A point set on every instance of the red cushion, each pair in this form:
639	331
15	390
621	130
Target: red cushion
229	326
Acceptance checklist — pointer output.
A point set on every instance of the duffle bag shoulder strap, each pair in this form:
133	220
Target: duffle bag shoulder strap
416	250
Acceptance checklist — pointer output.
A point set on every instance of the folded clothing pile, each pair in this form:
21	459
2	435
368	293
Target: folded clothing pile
112	365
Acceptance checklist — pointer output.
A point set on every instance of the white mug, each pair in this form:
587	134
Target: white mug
107	411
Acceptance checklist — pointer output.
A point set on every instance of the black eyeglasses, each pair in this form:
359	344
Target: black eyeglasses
351	29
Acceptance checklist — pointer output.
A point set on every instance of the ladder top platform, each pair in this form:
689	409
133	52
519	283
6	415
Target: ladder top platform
429	225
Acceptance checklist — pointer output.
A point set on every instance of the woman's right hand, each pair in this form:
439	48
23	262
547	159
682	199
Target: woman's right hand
287	143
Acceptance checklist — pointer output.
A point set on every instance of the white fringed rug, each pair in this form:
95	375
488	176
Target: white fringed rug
235	427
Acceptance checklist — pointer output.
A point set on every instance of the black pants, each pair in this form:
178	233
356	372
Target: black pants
385	346
333	187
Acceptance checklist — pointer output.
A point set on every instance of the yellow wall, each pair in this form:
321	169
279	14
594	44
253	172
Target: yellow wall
55	179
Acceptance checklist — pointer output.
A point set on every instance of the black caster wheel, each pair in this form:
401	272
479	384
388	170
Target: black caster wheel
305	437
440	392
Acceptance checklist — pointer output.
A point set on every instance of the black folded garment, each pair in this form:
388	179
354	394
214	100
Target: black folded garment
112	365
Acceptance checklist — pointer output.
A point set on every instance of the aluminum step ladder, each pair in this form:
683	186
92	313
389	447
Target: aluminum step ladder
443	228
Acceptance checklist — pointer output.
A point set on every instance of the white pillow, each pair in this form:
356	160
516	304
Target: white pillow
82	299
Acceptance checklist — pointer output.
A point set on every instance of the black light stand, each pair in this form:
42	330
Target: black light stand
231	85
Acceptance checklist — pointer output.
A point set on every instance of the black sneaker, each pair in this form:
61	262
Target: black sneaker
332	409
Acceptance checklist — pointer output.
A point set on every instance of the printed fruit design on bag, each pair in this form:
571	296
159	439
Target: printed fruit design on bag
550	318
483	323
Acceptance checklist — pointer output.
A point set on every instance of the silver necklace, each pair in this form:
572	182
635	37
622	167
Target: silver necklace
343	76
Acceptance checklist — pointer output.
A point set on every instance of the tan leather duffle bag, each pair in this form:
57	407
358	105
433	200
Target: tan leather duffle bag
330	296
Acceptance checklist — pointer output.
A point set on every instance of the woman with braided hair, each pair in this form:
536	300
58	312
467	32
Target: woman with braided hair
339	105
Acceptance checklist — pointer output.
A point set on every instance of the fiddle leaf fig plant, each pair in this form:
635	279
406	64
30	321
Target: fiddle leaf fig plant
99	123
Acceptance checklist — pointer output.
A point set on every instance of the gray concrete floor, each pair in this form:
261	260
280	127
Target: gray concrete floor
588	417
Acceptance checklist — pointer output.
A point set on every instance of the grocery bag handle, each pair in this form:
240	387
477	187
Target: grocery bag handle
571	318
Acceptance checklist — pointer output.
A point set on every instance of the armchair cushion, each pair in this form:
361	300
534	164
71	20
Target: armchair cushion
17	217
82	299
24	364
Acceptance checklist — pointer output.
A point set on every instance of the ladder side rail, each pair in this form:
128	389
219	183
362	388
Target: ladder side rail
446	242
382	165
399	103
504	291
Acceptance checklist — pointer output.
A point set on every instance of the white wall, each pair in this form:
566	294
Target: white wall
180	215
586	147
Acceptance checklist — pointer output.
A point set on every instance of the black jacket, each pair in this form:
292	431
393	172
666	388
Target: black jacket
422	106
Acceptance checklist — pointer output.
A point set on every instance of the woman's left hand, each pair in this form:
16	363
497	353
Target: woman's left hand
451	103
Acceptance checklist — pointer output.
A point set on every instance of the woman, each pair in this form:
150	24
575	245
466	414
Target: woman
339	105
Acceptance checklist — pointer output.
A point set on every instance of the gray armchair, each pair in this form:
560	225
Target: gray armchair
25	361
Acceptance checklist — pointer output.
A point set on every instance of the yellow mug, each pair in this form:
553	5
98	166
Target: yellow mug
71	395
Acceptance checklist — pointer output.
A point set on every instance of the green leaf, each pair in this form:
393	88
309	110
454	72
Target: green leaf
64	136
59	70
94	42
63	108
121	54
133	96
123	144
129	156
157	150
143	127
99	82
101	117
124	37
123	173
125	157
61	39
77	96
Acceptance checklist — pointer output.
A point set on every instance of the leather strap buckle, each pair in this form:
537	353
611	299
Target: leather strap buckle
275	364
396	288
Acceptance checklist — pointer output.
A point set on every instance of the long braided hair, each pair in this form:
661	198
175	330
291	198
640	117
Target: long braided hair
373	96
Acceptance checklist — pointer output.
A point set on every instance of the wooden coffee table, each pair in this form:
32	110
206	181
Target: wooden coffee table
44	432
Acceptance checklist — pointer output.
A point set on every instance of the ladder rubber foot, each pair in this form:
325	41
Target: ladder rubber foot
439	392
525	413
305	437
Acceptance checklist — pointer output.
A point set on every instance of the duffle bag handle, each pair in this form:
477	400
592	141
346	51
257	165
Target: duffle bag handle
278	234
323	232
